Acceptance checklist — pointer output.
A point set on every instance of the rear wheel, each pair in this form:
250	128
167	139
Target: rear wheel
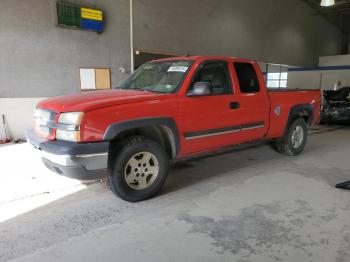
294	141
139	169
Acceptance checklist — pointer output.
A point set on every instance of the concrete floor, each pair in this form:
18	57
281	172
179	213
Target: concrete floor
252	205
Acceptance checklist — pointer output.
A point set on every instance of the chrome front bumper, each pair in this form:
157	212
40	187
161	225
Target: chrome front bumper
86	161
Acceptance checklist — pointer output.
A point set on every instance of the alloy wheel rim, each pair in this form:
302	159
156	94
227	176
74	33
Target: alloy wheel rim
297	137
141	170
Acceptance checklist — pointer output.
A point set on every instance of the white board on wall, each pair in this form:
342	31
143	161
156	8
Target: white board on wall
87	79
304	79
331	78
337	60
95	78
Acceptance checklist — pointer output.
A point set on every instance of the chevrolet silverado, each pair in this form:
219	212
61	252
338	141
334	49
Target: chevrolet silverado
168	110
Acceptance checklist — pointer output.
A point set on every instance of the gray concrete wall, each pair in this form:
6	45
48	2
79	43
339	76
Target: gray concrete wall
39	59
278	31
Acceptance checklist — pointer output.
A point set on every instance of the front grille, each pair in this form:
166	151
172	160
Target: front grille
44	123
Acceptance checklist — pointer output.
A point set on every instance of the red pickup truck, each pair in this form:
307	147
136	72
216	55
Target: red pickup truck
168	110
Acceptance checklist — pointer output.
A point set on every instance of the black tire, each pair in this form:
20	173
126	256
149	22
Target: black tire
286	146
126	150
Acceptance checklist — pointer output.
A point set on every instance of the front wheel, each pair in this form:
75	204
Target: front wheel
293	143
139	169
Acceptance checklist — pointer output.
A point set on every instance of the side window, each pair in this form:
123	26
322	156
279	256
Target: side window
217	74
247	78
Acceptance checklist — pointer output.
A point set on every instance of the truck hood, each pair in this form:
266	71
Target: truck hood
88	101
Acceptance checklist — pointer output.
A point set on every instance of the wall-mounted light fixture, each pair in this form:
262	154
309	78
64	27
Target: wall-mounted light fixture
327	3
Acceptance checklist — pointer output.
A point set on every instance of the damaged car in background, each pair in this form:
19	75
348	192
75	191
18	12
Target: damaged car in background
336	105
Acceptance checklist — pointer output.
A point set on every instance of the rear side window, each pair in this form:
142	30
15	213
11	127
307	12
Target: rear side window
247	78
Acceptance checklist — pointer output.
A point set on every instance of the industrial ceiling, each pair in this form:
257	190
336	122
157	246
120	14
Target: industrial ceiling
338	15
335	14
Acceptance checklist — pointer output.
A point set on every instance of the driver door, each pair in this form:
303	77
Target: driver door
210	121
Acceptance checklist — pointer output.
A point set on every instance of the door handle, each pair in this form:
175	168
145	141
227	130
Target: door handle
234	105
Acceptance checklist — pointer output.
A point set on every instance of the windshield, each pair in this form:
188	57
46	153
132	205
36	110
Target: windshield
161	77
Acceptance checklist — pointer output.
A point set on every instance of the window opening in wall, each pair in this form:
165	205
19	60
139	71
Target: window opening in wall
277	76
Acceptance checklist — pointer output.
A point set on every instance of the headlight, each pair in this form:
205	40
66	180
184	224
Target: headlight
68	127
72	118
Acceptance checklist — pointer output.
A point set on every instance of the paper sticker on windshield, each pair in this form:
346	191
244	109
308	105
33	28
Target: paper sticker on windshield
181	69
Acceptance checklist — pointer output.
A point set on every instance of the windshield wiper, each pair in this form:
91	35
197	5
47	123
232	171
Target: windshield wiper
140	88
147	90
134	88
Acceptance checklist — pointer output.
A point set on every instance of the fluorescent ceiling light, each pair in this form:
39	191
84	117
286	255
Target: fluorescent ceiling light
327	2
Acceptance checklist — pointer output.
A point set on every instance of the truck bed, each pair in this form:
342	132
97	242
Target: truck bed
287	98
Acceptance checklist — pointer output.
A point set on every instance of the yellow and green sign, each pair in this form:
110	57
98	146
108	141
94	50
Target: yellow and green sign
70	15
93	14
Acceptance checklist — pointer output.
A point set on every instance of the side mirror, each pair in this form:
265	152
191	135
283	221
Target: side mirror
200	89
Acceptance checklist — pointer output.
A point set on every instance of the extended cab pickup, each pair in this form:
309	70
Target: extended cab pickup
167	110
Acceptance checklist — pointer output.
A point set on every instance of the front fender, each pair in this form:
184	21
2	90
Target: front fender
115	129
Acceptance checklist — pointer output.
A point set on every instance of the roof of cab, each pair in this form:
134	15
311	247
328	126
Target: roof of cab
201	58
